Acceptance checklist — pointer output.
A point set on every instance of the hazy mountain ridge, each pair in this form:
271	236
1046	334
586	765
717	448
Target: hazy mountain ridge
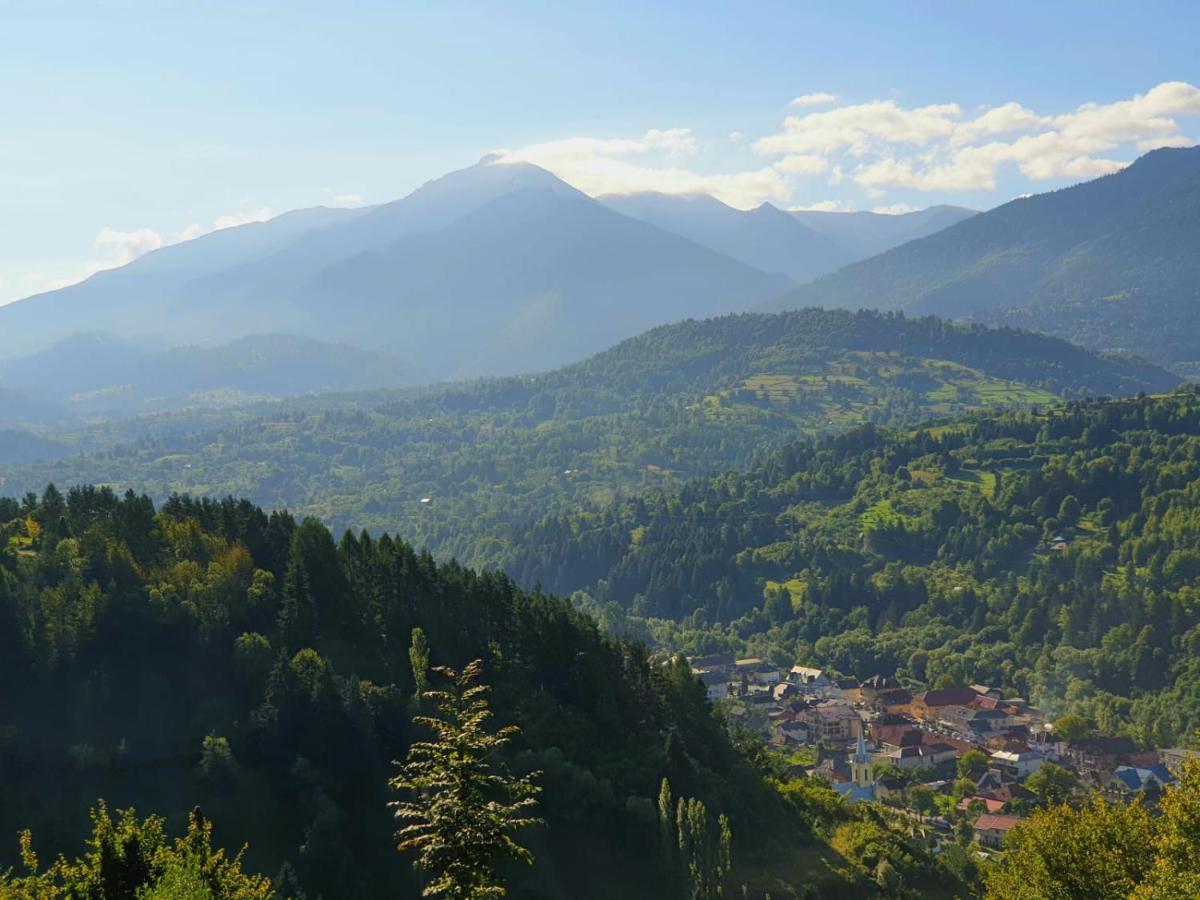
801	244
864	234
1111	262
452	277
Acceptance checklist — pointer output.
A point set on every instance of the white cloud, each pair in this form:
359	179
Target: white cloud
825	206
242	218
859	128
936	148
803	164
817	98
895	209
649	163
347	200
736	137
125	246
188	232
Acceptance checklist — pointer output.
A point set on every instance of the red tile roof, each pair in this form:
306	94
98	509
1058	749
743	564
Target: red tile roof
988	822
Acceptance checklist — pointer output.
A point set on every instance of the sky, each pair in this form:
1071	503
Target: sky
126	125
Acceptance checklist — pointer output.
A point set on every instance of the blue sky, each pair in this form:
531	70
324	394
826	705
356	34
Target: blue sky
131	124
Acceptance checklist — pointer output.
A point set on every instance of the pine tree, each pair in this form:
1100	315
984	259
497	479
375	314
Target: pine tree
463	810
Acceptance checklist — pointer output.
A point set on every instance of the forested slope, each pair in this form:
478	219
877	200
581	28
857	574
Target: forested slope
1054	553
212	655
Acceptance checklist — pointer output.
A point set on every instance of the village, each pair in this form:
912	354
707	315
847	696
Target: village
964	762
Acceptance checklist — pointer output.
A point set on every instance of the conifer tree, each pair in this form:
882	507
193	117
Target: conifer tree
462	810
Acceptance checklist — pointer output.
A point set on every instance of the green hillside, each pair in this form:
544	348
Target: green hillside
1050	553
210	659
450	468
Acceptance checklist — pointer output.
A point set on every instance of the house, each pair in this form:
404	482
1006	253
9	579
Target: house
810	681
789	733
926	705
718	662
1017	764
892	737
753	670
916	756
893	703
991	830
1129	779
716	685
784	691
984	691
1049	744
870	689
990	804
1098	755
845	689
832	721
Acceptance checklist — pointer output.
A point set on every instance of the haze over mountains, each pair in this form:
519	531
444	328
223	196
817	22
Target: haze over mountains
801	244
492	269
98	374
1112	263
503	268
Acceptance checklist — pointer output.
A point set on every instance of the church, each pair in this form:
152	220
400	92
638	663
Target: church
861	785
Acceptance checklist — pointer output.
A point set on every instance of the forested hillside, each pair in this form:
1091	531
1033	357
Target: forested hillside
450	468
1110	264
211	657
1052	553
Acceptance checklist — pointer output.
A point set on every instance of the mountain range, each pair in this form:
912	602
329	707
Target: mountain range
494	269
1112	263
801	244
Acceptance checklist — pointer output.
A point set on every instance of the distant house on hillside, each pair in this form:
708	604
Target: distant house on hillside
1099	755
832	721
717	662
753	670
1018	764
1130	779
927	705
991	830
810	681
716	685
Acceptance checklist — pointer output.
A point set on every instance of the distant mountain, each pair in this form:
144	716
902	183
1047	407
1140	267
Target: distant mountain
766	238
98	374
139	299
864	234
494	269
1113	263
453	467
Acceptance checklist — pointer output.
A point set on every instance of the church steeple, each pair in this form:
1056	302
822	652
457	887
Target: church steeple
860	766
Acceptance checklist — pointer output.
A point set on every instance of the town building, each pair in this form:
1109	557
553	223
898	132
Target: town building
861	785
991	830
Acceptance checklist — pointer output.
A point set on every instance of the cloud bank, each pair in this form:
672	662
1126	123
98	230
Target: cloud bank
880	146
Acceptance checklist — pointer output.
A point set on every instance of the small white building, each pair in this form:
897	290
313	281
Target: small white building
716	685
810	681
1018	764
